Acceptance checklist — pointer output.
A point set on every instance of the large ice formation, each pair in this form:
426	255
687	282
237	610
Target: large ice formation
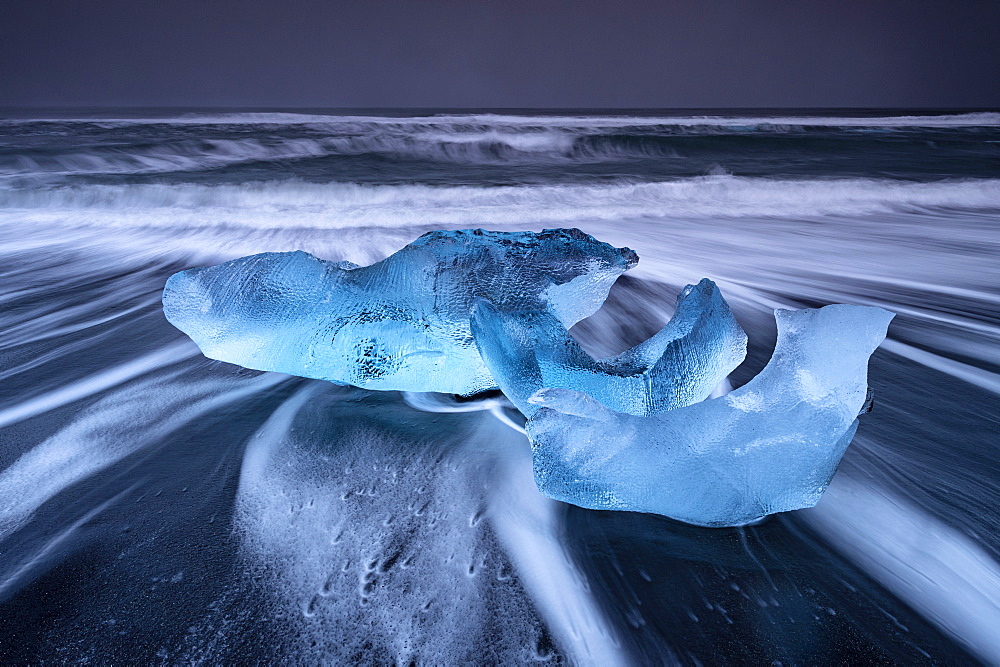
465	311
531	350
769	446
402	323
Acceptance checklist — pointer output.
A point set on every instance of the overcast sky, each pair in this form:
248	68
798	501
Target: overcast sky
500	53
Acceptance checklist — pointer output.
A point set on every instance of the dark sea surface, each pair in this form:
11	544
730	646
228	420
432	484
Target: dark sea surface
159	507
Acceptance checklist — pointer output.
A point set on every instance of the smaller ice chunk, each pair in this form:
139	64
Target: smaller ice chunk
769	446
680	365
399	324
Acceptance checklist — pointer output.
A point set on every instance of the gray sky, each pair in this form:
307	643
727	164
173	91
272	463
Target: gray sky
510	53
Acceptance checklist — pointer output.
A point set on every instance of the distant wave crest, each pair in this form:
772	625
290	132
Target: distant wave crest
39	152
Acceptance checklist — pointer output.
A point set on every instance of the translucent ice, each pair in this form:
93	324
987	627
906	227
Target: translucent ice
769	446
682	364
399	324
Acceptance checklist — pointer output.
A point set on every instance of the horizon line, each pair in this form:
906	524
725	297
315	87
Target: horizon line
498	108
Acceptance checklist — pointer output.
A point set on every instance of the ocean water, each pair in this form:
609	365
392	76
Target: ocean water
159	507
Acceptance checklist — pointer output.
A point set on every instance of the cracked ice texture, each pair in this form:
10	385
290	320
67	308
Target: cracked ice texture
399	324
769	446
680	365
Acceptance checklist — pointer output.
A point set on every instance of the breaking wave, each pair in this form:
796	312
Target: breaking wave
206	154
296	204
198	143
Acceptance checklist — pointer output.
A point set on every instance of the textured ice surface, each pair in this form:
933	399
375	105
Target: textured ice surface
399	324
769	446
682	364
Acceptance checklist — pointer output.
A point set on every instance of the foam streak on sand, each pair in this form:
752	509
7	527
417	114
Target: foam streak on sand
936	569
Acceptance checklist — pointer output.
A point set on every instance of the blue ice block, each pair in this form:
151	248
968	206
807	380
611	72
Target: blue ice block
399	324
769	446
680	365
